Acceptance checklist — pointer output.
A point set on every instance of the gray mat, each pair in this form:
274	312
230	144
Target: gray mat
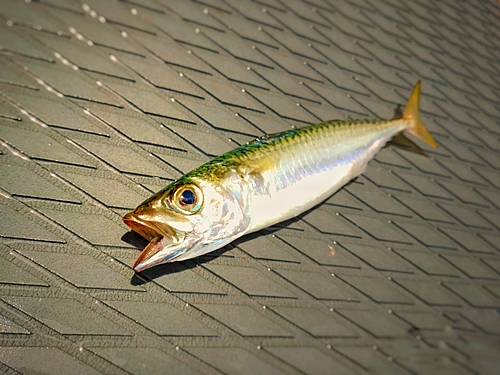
103	103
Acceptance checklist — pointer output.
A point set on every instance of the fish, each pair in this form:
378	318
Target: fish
266	181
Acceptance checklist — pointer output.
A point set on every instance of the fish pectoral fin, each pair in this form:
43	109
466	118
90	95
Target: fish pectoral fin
256	170
260	169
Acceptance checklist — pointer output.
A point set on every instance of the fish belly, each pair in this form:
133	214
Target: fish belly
297	197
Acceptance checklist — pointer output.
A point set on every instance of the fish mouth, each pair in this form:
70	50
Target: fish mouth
166	232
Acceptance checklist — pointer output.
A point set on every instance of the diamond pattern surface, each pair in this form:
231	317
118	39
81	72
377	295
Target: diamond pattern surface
103	103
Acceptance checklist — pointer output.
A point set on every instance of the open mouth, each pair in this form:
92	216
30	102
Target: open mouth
161	237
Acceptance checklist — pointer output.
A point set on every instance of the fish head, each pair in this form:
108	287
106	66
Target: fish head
188	218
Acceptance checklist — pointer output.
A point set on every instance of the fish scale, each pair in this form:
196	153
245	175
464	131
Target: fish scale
303	169
266	181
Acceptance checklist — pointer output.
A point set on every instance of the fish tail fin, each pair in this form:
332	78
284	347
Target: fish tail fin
411	113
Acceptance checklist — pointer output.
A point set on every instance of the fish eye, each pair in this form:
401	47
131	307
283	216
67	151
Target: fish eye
187	199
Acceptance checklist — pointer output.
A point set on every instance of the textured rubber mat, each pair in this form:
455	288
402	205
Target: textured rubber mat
103	103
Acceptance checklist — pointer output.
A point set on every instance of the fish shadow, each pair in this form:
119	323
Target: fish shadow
134	239
406	144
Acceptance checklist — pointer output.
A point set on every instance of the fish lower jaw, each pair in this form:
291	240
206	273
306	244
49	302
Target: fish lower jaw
153	253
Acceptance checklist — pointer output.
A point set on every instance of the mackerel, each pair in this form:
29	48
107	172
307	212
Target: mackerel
270	179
